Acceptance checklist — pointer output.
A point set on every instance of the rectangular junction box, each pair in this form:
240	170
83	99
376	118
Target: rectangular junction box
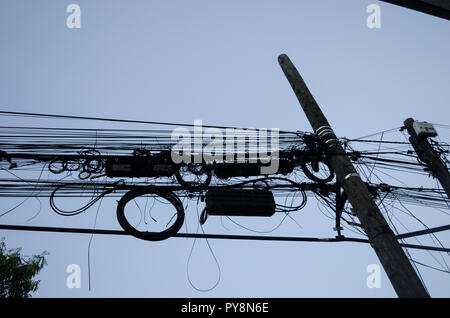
246	169
237	202
138	167
424	129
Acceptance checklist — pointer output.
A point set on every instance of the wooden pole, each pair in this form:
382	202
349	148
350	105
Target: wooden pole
402	275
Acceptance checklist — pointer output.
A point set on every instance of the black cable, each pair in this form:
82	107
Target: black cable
77	211
211	236
114	120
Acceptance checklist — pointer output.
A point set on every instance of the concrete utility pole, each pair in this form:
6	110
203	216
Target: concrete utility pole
427	154
397	266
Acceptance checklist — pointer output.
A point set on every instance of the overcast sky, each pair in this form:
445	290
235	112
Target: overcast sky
216	61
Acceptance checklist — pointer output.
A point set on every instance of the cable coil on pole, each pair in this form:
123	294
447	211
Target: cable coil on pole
150	236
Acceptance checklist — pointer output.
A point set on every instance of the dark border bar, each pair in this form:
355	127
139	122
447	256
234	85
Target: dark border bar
440	11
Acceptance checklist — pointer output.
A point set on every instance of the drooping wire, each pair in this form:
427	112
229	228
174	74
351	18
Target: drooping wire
200	226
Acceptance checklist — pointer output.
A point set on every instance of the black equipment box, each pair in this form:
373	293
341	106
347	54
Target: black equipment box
244	169
237	202
138	167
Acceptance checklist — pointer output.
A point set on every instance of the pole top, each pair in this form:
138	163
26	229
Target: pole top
408	122
283	58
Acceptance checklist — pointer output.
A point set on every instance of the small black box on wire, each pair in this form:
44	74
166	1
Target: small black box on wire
238	202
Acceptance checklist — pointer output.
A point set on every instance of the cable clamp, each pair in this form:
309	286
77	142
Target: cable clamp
326	131
323	127
332	143
353	174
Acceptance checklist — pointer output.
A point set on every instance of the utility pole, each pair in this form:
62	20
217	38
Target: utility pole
404	279
419	133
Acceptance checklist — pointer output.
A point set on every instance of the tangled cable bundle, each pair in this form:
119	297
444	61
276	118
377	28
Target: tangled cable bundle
382	164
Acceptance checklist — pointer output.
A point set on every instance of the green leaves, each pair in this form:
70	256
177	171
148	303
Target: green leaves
17	272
